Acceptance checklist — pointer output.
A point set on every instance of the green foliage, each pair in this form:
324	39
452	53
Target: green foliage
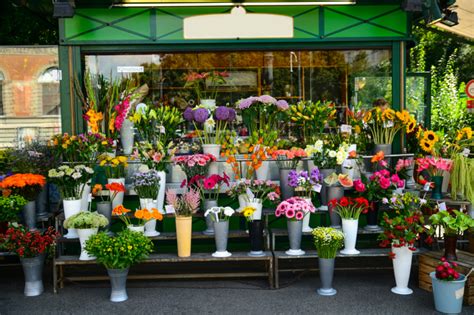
462	181
121	251
454	223
327	241
86	220
10	207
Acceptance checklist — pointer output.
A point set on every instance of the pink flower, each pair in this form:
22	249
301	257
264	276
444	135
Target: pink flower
157	157
395	179
401	183
384	173
359	185
384	182
299	215
277	213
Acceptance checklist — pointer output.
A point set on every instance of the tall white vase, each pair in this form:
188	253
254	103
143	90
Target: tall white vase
349	228
84	235
71	207
127	135
306	219
402	269
258	205
214	149
118	200
160	199
85	196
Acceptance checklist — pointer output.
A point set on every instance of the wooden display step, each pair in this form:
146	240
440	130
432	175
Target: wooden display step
429	261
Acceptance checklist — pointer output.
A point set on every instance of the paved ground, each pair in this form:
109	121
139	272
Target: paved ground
359	292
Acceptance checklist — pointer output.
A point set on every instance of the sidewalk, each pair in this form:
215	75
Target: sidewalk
359	292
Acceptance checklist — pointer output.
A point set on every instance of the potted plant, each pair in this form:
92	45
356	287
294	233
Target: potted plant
28	186
327	241
114	168
287	161
140	217
294	209
220	217
184	207
435	167
255	232
147	185
454	223
335	185
305	184
104	206
349	209
71	181
10	207
86	224
448	287
117	254
31	246
402	228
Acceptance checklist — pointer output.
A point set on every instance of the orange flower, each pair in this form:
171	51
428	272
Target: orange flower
139	214
97	188
378	157
157	214
146	214
353	154
116	187
120	210
22	180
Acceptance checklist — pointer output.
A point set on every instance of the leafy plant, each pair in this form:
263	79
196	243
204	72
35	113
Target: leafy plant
462	181
86	220
10	207
453	222
121	251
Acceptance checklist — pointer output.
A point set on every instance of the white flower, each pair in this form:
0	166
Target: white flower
340	157
310	150
318	146
63	167
89	170
69	171
52	173
209	124
79	167
60	174
332	154
393	199
422	201
384	200
228	211
76	175
207	212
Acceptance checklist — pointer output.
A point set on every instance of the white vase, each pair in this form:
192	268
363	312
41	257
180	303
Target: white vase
145	202
351	168
401	269
306	219
258	205
150	228
85	196
160	198
118	200
263	172
136	228
214	149
127	135
349	228
243	200
71	207
84	235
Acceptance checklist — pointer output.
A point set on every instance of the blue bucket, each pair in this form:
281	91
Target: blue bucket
448	295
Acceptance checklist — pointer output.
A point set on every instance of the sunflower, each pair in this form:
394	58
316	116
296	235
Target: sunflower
368	116
411	126
419	133
400	116
427	146
459	135
388	114
430	136
467	131
406	116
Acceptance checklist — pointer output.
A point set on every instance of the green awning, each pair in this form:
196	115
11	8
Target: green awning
157	3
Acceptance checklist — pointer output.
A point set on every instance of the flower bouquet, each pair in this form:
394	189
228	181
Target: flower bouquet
385	124
294	209
305	183
288	159
327	241
326	156
112	190
260	192
239	191
349	209
114	167
435	167
403	168
195	164
146	184
140	217
70	180
26	185
220	217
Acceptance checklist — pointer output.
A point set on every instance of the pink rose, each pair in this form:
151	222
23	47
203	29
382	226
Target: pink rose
395	179
359	185
384	182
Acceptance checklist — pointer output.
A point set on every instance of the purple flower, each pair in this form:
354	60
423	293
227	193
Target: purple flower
222	113
282	105
293	178
267	99
200	115
316	176
232	115
188	114
245	103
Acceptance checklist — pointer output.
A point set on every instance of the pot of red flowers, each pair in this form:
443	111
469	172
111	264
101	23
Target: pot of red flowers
402	228
454	223
349	209
435	166
305	185
294	209
32	248
448	287
335	185
376	187
28	186
287	161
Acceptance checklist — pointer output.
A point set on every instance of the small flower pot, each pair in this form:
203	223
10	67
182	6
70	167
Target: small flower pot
86	190
326	273
402	269
118	282
350	229
448	295
295	232
243	200
160	199
214	149
150	228
71	207
256	238
29	215
118	200
373	218
263	172
450	242
105	208
42	203
127	135
325	172
208	204
221	235
84	235
183	235
334	192
33	271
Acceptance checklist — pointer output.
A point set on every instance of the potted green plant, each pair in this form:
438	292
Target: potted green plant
117	254
10	207
327	241
454	223
448	287
86	224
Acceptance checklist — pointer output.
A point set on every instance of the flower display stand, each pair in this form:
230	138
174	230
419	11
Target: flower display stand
429	261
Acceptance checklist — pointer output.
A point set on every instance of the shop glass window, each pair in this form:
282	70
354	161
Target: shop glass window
49	81
2	78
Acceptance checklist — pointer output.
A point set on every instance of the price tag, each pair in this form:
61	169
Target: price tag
317	188
352	147
388	124
442	206
169	209
250	194
466	152
427	186
346	129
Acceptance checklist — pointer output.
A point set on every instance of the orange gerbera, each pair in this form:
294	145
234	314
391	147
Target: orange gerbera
378	157
353	154
139	214
22	180
146	215
120	210
156	214
96	189
116	187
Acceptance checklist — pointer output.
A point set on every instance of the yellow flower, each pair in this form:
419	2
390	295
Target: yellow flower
122	159
357	129
467	131
427	146
368	116
431	136
400	116
411	126
115	161
419	133
459	135
406	116
102	163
